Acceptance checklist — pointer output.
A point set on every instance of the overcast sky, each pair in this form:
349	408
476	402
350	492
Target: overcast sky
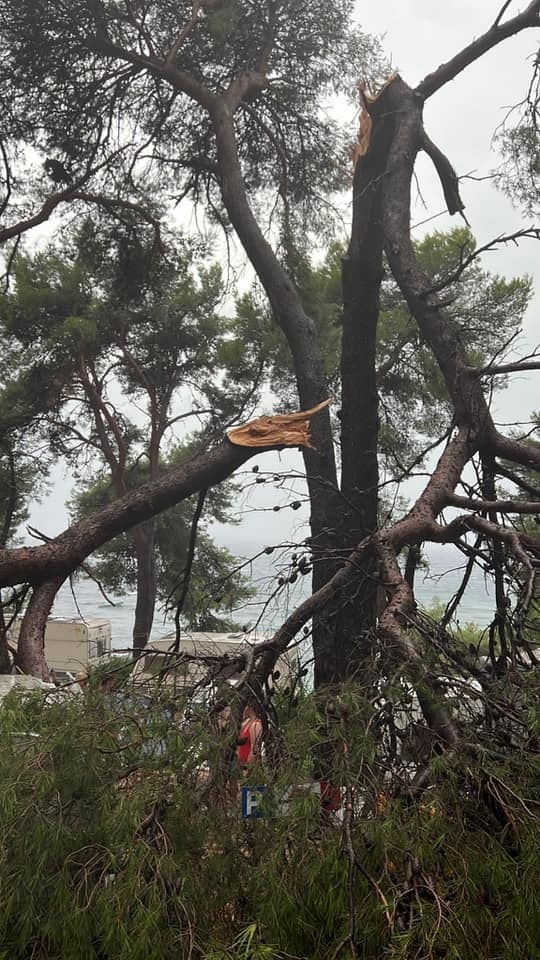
418	35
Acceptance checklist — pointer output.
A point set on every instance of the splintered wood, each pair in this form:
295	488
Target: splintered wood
361	144
285	430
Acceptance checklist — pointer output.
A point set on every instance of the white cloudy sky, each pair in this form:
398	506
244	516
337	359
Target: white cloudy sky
418	35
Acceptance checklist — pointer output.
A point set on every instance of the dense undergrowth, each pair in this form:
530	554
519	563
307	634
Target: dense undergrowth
121	836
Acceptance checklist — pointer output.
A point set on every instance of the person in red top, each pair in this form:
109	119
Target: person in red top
248	751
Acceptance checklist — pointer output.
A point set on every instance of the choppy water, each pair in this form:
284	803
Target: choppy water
84	599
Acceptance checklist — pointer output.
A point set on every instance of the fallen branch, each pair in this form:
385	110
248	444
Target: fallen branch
62	555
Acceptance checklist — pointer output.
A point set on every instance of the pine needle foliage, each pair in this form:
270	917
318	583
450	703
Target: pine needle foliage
121	836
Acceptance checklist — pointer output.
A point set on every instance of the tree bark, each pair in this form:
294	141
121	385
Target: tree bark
342	643
303	339
30	656
144	544
436	326
63	554
5	663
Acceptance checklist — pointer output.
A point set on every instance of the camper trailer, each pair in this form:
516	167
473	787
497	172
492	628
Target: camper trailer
71	645
200	650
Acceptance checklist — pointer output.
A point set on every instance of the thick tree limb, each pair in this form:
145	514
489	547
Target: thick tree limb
30	656
63	554
436	326
181	81
400	646
530	17
300	330
507	535
41	216
526	454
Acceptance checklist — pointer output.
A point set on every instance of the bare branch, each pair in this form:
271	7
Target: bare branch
71	194
498	506
453	604
392	359
530	17
447	176
501	368
500	14
464	262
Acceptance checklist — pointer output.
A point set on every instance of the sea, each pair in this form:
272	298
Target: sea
436	582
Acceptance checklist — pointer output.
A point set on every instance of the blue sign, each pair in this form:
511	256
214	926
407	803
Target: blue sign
251	799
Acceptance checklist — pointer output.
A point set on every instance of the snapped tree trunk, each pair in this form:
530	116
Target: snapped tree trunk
343	640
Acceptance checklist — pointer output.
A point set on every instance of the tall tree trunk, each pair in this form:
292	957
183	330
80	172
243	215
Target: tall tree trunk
5	663
303	339
30	657
143	538
342	641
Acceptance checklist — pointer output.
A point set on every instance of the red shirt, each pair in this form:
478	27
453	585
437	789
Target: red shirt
245	746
